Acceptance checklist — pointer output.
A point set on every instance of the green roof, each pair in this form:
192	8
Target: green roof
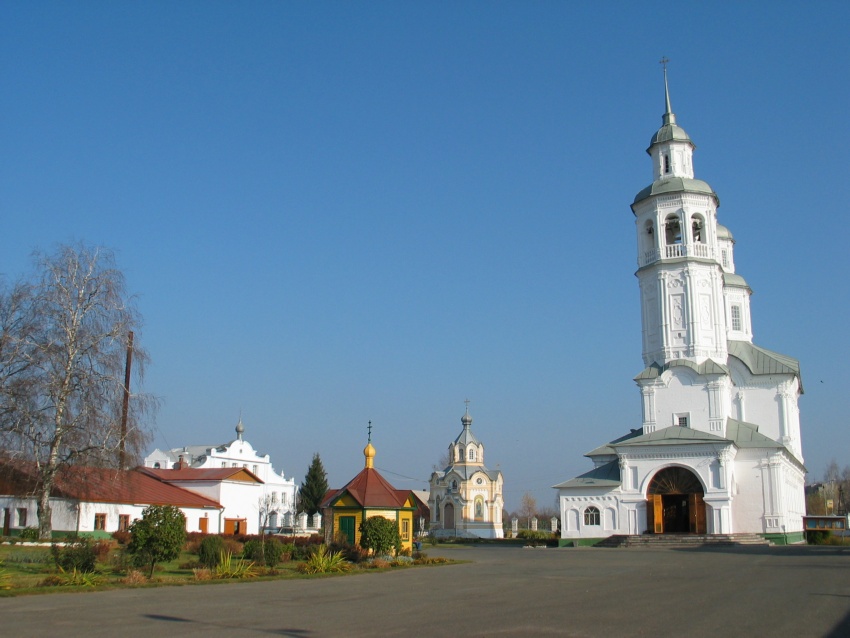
673	435
709	366
731	279
607	449
607	475
761	361
675	185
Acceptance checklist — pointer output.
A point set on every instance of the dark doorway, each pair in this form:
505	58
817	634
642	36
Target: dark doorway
675	503
675	507
449	516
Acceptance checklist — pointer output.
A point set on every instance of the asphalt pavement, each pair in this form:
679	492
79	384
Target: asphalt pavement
502	591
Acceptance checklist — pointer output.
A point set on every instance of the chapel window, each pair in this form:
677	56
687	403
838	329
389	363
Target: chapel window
591	516
156	465
682	420
666	163
736	317
471	454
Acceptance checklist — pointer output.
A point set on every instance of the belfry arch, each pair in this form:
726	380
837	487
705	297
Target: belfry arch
674	503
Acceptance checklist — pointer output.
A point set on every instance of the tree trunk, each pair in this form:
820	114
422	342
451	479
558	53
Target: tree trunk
45	526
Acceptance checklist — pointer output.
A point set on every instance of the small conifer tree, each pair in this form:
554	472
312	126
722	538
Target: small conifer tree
314	487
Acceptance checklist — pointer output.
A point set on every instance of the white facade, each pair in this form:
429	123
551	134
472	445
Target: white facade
272	501
70	515
466	498
719	449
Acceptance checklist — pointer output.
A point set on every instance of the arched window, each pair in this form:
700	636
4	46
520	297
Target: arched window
673	230
454	485
666	163
156	465
698	230
471	454
591	516
460	454
479	508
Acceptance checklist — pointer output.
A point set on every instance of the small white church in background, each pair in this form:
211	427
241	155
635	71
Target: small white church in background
272	499
719	448
466	498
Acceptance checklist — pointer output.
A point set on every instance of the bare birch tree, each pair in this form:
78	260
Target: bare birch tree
63	352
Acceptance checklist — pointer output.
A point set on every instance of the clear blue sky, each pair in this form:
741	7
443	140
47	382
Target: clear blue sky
340	212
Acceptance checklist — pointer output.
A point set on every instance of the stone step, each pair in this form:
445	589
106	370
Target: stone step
681	540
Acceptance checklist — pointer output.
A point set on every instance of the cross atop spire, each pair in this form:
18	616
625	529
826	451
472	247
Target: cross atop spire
668	117
369	429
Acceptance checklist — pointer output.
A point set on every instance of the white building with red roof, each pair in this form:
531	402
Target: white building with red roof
267	502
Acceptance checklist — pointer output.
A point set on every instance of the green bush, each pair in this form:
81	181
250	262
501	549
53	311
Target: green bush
29	534
77	556
534	534
157	536
266	552
210	551
380	535
818	536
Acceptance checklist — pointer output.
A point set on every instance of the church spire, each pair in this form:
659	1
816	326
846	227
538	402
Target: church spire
668	117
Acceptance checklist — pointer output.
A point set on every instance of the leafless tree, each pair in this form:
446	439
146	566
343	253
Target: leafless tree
528	508
63	349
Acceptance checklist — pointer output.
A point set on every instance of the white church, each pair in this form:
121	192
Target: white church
719	448
465	497
269	500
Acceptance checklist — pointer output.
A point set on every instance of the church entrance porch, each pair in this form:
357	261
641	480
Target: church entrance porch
675	503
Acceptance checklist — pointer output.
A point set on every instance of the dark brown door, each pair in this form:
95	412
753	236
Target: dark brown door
449	516
696	512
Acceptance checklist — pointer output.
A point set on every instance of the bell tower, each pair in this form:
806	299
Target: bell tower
679	267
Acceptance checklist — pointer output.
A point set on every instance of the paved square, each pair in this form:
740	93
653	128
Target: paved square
751	591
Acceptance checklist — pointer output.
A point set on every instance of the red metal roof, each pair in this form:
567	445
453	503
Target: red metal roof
370	489
203	474
104	485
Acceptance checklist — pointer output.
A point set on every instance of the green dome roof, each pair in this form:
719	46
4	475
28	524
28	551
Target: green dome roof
724	233
668	133
676	185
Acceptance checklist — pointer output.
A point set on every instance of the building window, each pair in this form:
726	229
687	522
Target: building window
156	465
123	522
591	516
666	163
254	470
682	420
405	530
724	258
471	454
697	230
100	521
736	318
673	230
22	517
223	464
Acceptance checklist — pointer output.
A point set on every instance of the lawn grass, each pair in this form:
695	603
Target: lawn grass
24	568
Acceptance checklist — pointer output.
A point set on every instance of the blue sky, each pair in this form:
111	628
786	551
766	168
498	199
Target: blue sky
341	212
